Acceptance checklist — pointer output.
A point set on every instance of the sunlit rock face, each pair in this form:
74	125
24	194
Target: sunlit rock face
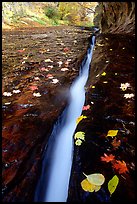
116	17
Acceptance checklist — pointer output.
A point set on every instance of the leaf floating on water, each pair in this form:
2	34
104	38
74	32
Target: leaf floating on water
80	118
112	133
96	178
112	184
86	107
37	94
107	158
79	135
78	142
120	166
7	94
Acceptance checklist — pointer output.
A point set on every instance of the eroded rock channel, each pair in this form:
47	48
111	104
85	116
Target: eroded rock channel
39	66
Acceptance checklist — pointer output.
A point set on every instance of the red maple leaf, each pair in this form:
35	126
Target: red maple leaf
107	158
86	107
120	166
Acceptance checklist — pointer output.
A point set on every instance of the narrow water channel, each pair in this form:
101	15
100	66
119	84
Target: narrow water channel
58	155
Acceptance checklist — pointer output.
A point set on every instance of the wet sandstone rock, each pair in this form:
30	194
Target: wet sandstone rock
116	17
39	65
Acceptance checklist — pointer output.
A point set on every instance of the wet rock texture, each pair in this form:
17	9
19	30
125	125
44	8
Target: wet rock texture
39	66
111	108
116	17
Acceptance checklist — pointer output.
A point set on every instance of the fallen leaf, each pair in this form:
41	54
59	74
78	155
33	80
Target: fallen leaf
112	184
37	94
50	76
96	178
66	49
79	135
116	143
50	66
100	45
103	74
16	91
86	107
36	78
87	186
48	60
80	118
60	63
124	86
33	88
120	166
112	133
44	69
107	158
64	69
7	94
54	81
21	50
129	95
78	142
8	103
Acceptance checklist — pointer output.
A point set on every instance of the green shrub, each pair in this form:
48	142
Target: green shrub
51	12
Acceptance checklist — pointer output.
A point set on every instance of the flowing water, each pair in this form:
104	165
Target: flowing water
58	155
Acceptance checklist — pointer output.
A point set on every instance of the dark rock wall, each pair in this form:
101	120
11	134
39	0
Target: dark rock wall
116	17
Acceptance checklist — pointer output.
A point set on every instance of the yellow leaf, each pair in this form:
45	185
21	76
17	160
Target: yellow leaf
103	74
96	178
80	118
87	186
93	87
112	184
78	142
112	133
80	135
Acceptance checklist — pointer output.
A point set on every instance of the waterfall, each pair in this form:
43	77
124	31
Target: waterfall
58	155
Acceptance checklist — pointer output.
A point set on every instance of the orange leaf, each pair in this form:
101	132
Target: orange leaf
120	166
116	143
107	158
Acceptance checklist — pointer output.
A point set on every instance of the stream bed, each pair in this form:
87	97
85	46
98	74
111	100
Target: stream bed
39	66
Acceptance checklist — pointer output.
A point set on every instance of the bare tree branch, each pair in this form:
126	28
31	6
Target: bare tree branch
92	11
